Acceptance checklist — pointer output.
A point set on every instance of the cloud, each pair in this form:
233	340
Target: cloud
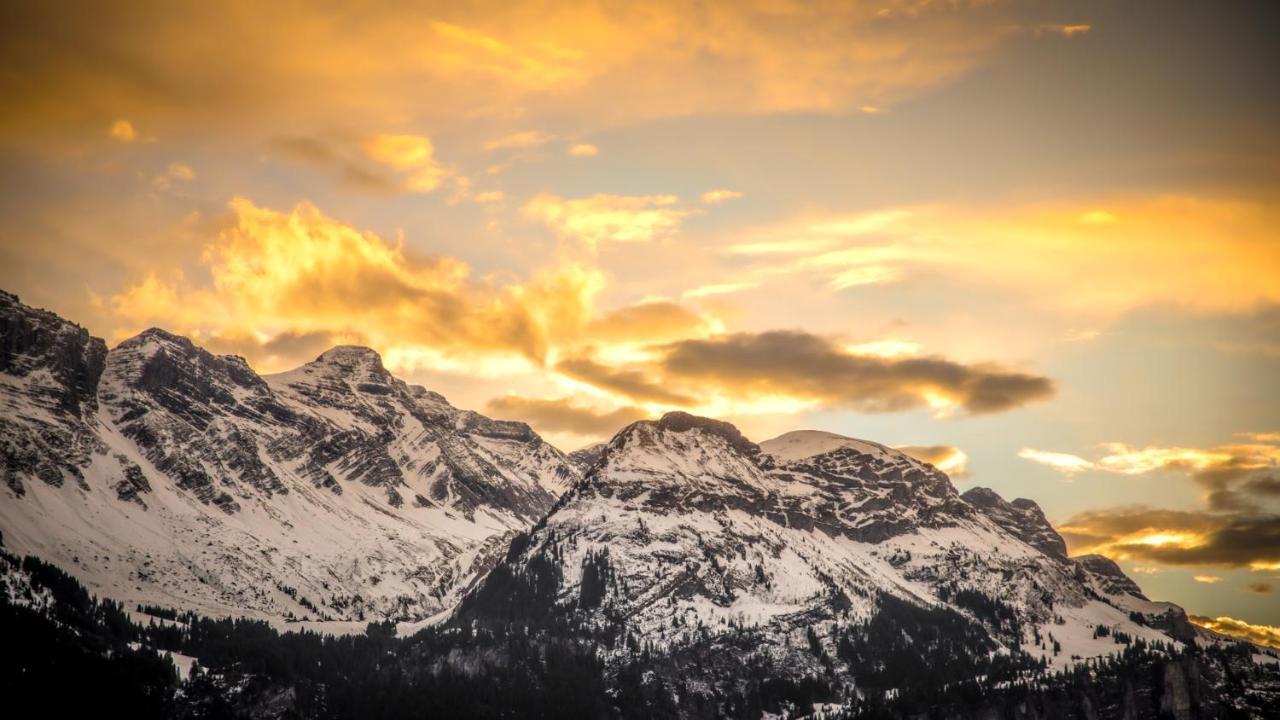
717	289
1177	537
609	218
1198	253
606	63
802	365
648	323
518	141
1260	634
1260	588
178	172
629	383
297	273
1064	463
412	155
1067	31
123	131
548	415
1235	476
715	197
584	150
950	460
377	164
1207	579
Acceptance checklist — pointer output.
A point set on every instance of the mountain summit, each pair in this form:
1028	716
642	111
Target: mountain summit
160	472
729	559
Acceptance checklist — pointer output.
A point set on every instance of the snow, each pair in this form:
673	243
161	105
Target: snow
803	444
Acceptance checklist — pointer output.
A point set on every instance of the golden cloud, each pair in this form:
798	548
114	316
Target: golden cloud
1064	463
123	131
1260	634
650	322
1176	537
562	415
609	218
434	61
949	459
518	141
301	273
715	197
1234	475
1200	253
413	155
625	382
584	150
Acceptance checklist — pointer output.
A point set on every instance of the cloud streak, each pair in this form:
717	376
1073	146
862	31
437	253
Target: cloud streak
809	366
562	415
1260	634
1177	537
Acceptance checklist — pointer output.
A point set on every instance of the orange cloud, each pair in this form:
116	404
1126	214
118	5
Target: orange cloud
123	131
609	218
715	197
517	141
413	155
1235	475
1260	634
432	61
1199	253
301	272
562	415
1177	537
949	459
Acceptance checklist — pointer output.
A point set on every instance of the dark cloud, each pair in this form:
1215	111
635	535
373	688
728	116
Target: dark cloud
1260	634
352	173
1260	587
802	364
561	415
286	348
951	460
632	383
1188	537
652	321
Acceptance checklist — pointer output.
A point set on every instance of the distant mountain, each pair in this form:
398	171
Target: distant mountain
159	472
810	561
679	570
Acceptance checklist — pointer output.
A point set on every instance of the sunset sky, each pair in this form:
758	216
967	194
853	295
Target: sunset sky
1035	241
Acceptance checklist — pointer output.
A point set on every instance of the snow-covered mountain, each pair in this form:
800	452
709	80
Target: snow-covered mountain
786	559
161	473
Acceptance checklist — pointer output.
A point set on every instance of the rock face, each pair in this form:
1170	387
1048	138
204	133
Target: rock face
726	559
1022	518
49	372
331	491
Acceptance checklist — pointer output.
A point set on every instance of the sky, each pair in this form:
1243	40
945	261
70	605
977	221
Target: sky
1033	242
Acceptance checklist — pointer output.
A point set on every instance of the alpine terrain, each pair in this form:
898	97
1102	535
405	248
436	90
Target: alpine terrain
679	570
160	473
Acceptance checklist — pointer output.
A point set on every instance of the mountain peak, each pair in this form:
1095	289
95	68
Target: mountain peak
677	421
803	444
351	356
160	336
1022	517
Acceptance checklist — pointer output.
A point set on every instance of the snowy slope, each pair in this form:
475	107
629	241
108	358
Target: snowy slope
162	473
689	537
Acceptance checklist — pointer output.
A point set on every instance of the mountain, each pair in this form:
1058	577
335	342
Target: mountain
680	570
818	566
161	473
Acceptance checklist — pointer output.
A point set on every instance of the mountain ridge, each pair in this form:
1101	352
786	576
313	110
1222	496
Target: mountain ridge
332	491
